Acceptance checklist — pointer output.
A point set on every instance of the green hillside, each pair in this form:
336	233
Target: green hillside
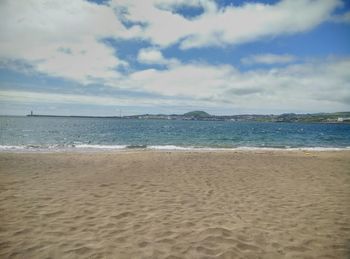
197	114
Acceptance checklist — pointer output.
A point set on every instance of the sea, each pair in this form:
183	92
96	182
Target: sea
33	134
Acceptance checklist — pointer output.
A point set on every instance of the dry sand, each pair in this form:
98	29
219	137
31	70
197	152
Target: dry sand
175	205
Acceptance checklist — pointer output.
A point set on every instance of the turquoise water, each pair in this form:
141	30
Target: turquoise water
40	133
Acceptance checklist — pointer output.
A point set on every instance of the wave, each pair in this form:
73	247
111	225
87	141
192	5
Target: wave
90	147
87	146
293	148
6	147
170	147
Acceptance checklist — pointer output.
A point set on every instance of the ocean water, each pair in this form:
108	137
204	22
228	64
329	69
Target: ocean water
48	133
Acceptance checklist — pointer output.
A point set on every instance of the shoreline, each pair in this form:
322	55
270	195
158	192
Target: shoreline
159	148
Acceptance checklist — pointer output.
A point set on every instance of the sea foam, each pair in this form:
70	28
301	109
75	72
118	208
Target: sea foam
94	147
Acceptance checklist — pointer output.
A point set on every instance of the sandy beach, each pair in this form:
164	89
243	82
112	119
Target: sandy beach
147	204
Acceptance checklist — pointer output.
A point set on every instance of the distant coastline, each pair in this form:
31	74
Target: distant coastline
337	117
73	116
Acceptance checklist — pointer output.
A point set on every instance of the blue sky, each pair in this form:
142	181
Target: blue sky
171	56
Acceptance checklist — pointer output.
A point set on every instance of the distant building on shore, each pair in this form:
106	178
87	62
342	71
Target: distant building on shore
340	119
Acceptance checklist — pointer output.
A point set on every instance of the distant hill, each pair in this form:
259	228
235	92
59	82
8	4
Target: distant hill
197	114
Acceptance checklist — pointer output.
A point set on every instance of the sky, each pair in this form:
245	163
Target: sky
112	57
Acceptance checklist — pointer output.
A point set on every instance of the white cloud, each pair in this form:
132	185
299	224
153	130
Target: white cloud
228	25
191	80
313	86
154	56
61	38
60	98
316	86
268	59
64	38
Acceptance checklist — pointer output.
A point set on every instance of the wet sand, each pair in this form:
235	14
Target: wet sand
146	204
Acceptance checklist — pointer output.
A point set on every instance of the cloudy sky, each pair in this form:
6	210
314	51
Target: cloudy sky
171	56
